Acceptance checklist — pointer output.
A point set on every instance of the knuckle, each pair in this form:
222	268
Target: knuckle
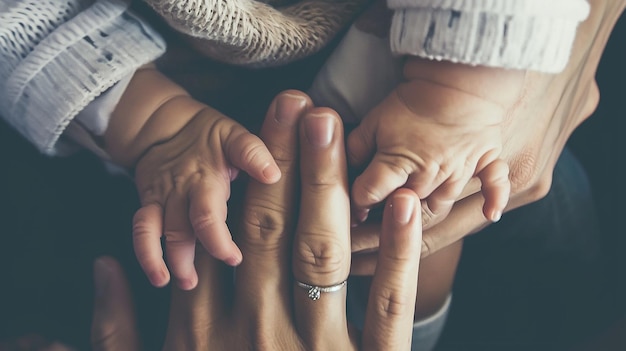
320	181
141	225
432	168
263	222
427	215
204	221
398	163
320	254
179	181
252	149
428	246
176	236
390	304
108	337
523	171
366	193
525	177
400	256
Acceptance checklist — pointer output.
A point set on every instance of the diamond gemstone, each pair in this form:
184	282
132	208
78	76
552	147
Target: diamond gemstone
314	293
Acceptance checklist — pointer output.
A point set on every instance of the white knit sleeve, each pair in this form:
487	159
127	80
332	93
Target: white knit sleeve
517	34
56	56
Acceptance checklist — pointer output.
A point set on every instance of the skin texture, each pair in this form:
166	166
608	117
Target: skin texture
263	309
435	131
184	155
546	111
537	126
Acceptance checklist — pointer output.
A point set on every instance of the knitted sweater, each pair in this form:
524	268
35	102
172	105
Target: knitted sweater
56	56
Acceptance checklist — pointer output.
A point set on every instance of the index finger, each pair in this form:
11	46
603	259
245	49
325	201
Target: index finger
391	304
268	212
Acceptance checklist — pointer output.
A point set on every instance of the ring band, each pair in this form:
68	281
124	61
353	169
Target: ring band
315	291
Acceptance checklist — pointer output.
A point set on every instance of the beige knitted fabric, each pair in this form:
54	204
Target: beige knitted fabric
255	33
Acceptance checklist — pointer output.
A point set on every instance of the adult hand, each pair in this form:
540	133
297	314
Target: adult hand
548	110
113	325
263	307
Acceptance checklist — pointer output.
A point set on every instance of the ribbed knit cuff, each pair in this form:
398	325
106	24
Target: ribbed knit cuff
72	66
522	34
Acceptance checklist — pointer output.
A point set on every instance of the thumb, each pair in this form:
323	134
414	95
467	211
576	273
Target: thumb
113	324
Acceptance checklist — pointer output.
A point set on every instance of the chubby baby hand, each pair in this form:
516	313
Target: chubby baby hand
184	185
433	139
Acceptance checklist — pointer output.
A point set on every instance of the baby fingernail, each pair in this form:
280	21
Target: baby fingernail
288	108
402	207
233	261
361	215
233	173
495	216
186	284
319	129
271	173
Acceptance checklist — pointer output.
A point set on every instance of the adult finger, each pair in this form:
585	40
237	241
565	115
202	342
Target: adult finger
391	304
147	231
322	245
194	313
113	324
269	210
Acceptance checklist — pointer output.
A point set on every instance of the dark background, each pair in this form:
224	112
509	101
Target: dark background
58	214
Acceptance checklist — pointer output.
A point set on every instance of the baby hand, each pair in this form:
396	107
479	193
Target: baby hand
184	185
433	140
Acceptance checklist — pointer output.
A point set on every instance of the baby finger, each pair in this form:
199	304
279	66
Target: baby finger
207	214
179	242
147	229
496	188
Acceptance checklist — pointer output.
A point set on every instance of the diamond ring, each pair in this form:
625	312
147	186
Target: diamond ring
315	291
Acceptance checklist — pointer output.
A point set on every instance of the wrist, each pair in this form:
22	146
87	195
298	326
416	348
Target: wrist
455	93
143	116
498	85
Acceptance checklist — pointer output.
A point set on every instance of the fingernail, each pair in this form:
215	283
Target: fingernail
233	261
159	277
402	207
288	107
271	173
102	274
495	216
363	214
185	284
233	173
319	129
